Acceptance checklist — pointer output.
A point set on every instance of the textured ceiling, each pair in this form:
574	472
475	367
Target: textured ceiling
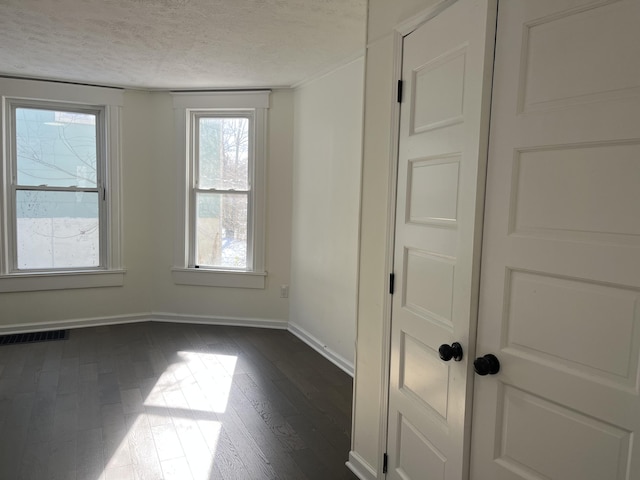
178	44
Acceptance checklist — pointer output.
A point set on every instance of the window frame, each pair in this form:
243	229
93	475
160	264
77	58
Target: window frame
188	108
16	93
12	179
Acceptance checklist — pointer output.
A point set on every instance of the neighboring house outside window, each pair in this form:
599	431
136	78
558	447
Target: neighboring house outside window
59	187
221	221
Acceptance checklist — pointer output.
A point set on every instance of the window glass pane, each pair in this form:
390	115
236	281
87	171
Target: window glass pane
224	153
57	229
55	148
221	230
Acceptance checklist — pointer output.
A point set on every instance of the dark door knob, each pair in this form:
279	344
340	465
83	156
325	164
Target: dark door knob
487	365
447	352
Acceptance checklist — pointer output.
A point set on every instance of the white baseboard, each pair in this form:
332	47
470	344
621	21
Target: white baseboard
216	320
360	467
142	317
76	323
322	349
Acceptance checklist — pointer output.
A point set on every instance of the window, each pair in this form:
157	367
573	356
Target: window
60	191
221	191
221	232
56	188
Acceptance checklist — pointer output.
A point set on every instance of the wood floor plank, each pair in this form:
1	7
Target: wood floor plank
65	417
35	461
87	351
108	388
89	406
167	442
262	438
132	401
279	426
16	360
52	357
62	459
336	434
88	372
227	458
144	456
333	459
264	395
12	443
157	360
28	379
176	469
69	375
36	354
125	373
112	415
90	459
40	427
115	448
194	445
124	472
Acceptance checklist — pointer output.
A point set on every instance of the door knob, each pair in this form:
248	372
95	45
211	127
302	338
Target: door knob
487	365
447	352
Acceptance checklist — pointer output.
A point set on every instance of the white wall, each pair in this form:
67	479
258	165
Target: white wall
326	199
369	423
149	191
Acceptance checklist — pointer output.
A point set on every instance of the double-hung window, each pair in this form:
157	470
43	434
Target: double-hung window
221	190
221	232
56	187
56	179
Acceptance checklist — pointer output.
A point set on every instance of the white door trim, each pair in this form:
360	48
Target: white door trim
390	241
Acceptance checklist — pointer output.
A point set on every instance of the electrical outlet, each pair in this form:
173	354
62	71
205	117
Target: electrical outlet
284	291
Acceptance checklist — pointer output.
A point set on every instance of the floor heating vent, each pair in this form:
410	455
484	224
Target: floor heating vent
32	337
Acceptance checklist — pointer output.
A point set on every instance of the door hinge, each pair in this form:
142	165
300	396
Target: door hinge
400	82
392	281
385	463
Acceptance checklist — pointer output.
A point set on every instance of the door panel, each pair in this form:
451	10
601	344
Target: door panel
560	286
534	428
441	171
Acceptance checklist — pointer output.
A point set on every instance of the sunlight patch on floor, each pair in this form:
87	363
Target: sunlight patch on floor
176	428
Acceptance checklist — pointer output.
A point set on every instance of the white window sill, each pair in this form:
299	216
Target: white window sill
218	278
31	282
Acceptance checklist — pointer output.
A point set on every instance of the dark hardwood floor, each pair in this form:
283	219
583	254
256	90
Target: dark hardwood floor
168	401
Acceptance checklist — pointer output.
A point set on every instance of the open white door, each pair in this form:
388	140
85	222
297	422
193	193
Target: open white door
447	66
560	290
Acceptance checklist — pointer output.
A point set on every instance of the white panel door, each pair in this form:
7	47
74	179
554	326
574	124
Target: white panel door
442	161
560	286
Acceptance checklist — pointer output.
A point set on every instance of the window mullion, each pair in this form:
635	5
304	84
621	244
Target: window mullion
47	188
230	191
